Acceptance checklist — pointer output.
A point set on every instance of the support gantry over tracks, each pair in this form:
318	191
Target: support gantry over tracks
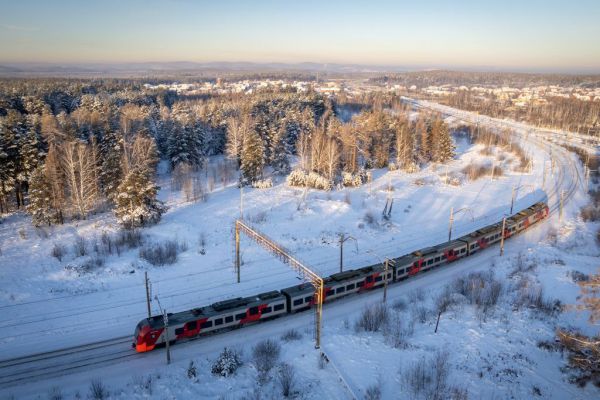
281	253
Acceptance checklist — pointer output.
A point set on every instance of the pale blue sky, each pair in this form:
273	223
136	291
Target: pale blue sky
525	34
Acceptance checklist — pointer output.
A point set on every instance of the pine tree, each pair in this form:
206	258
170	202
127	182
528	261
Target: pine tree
136	203
29	154
279	156
8	155
445	148
252	158
41	205
111	151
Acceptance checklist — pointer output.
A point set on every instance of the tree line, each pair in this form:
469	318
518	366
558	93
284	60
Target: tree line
70	148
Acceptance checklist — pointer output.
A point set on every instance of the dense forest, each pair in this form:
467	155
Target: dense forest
570	114
69	148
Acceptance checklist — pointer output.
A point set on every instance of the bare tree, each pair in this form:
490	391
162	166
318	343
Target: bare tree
80	171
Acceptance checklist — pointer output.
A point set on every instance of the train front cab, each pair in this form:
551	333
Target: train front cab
146	337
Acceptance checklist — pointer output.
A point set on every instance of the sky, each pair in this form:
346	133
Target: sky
548	35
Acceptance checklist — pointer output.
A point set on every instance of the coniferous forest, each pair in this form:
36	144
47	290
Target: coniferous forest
69	148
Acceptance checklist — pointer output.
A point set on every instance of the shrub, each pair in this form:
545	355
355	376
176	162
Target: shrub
291	334
164	253
263	184
396	332
227	363
533	297
369	218
97	390
58	251
373	318
130	239
590	213
287	377
191	370
350	180
265	355
373	392
480	288
428	378
475	171
143	384
300	178
80	247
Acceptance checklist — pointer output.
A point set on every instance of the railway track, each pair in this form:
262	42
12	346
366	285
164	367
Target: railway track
54	363
47	365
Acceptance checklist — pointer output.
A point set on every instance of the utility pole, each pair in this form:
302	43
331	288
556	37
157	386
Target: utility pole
237	253
502	236
450	224
512	200
166	321
147	293
343	238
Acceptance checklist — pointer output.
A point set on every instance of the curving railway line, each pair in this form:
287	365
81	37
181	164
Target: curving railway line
47	365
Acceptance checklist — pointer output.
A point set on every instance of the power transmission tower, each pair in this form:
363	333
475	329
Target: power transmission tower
305	272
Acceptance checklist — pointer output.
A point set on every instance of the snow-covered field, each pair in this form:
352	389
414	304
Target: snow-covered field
49	304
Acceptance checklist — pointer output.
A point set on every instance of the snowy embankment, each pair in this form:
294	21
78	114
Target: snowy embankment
46	306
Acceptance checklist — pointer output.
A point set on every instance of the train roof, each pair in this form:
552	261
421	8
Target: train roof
214	309
297	289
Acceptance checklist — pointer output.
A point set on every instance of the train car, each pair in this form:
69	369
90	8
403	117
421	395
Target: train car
232	313
301	297
355	281
482	238
425	259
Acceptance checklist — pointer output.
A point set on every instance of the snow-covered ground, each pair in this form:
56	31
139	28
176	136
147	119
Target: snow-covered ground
46	306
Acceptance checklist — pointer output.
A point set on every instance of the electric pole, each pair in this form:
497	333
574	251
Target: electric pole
166	321
148	293
343	238
237	253
450	224
502	236
512	200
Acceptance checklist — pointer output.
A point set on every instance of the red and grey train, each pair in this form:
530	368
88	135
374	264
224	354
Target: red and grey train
238	312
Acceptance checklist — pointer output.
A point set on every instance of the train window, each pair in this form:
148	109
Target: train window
297	302
240	316
378	279
463	250
179	331
218	321
267	310
192	325
229	319
401	271
253	310
429	262
437	259
350	286
340	290
278	307
369	278
307	299
207	324
472	246
360	284
444	257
